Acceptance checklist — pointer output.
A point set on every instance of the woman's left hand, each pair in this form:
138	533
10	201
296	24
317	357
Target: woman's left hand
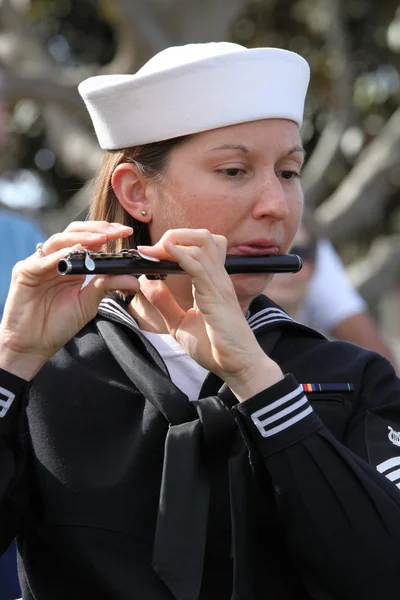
214	332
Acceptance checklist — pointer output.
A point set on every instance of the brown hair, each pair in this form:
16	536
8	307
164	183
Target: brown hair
152	160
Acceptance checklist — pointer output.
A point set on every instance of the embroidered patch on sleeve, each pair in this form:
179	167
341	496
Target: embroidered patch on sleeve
394	436
383	445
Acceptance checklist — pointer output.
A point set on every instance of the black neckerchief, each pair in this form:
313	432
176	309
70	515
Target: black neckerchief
194	428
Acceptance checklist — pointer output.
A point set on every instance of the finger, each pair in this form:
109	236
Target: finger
93	237
185	237
201	255
207	280
64	240
40	268
207	270
159	295
222	246
99	227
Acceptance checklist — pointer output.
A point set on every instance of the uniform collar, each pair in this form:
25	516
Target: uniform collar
263	313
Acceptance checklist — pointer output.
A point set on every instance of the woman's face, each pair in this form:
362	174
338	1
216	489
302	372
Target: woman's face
240	181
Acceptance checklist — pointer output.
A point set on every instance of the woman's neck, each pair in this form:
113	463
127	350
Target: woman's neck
149	318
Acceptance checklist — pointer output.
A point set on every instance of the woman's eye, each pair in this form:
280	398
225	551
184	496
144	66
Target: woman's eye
232	172
288	175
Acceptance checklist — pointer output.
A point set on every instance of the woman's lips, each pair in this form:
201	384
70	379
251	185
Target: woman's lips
254	250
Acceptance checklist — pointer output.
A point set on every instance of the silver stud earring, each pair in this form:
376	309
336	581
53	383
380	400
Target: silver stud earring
144	213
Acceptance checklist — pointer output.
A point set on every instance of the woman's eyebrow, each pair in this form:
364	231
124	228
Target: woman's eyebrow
231	147
296	149
246	150
243	148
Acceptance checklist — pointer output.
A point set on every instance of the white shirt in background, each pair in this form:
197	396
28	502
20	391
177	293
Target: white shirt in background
331	297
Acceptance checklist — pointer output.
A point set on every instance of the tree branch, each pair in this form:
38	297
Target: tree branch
43	89
81	155
327	148
379	270
359	201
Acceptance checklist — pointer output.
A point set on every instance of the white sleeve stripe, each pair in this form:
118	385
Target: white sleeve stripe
284	412
5	404
389	464
277	403
284	425
394	475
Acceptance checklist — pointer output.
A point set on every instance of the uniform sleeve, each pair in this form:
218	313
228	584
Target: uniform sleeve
12	456
339	508
331	298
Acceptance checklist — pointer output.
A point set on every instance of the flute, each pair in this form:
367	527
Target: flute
133	262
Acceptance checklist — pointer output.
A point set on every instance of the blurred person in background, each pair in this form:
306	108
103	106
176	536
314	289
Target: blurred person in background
18	238
321	296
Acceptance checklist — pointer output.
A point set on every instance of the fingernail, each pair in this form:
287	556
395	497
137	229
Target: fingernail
146	256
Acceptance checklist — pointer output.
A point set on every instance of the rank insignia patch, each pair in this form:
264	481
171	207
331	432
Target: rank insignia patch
394	436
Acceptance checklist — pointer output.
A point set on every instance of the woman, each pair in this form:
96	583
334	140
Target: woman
165	442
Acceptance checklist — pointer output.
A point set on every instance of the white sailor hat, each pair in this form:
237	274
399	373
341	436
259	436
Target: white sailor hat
188	89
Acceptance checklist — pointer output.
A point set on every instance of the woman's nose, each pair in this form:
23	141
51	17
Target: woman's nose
271	200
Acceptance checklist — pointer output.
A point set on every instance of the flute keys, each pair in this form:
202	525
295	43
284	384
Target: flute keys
89	262
161	276
146	257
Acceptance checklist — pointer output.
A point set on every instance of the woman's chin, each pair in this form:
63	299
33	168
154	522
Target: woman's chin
250	285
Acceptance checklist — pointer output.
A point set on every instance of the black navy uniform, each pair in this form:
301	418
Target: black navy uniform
124	490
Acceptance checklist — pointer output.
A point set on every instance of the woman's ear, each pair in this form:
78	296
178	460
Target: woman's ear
129	185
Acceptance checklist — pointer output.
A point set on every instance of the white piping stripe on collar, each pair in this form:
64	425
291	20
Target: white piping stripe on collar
271	310
105	311
255	326
109	306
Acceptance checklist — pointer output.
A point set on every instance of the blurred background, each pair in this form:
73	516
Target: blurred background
351	130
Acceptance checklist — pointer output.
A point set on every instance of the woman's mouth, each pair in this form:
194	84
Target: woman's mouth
257	248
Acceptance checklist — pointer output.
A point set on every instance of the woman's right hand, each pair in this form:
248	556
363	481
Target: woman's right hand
44	310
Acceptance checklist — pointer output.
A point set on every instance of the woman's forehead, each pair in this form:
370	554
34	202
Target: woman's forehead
246	136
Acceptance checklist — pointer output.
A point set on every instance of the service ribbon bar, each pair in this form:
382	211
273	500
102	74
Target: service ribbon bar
327	387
